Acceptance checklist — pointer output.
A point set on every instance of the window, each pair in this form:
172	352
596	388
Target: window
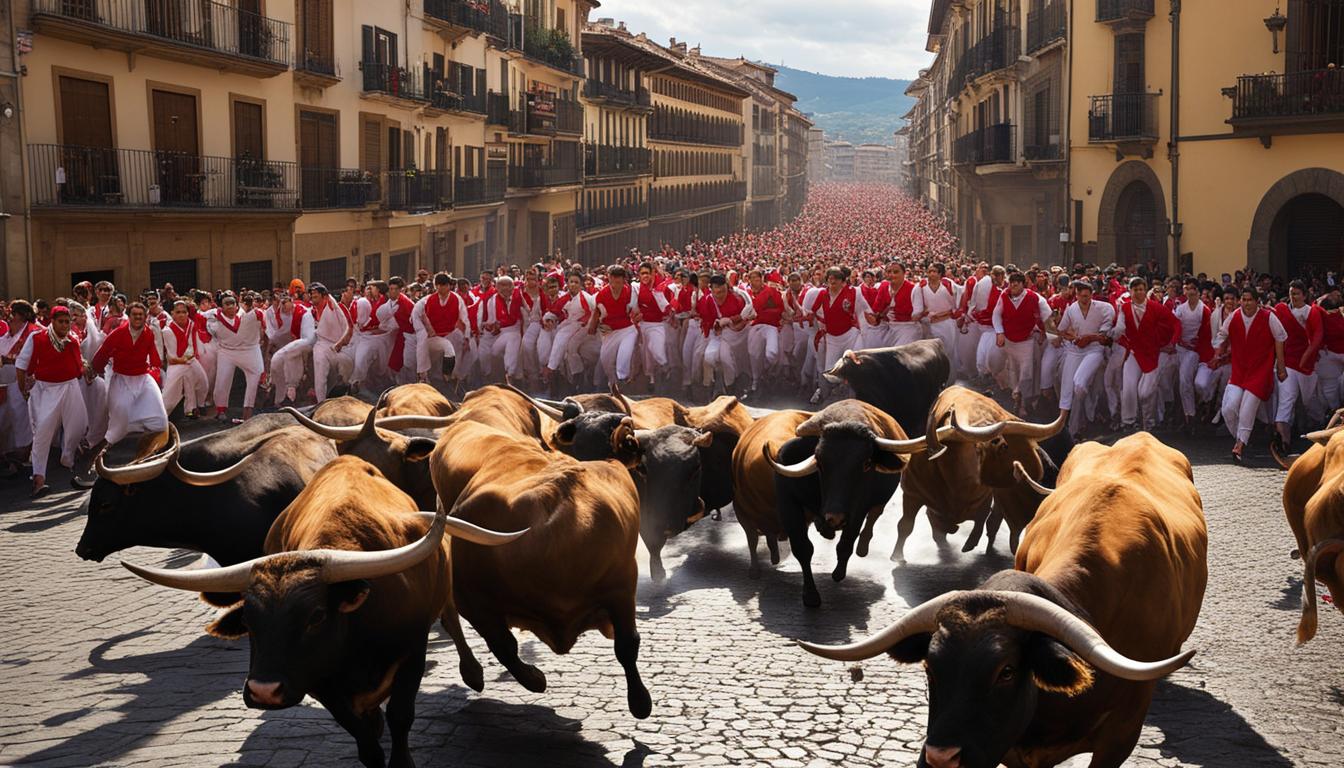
329	272
247	131
315	27
1129	63
251	275
181	273
399	265
373	266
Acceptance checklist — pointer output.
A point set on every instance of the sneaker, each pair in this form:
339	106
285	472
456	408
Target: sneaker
816	397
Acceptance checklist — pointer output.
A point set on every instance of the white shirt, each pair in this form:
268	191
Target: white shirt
1191	318
574	307
363	314
1099	320
937	302
1042	310
248	335
980	296
1275	327
331	328
916	302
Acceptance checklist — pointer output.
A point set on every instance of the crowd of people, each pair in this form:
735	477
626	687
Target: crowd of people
1113	347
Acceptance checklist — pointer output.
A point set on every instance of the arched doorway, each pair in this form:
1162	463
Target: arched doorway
1136	226
1308	236
1299	224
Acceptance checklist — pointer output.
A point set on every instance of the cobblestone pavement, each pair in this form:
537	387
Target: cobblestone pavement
100	668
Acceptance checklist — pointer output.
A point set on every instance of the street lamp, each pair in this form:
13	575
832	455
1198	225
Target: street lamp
1276	24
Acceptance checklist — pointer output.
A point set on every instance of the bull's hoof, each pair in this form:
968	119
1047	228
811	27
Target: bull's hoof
754	571
401	759
898	557
862	549
826	533
971	544
531	678
472	674
641	705
774	557
811	598
838	574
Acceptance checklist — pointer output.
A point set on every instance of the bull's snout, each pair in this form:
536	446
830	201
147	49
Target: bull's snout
835	520
264	695
85	552
942	757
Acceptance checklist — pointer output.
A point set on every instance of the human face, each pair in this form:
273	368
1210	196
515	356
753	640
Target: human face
796	283
646	276
137	318
1084	296
1139	293
1229	302
617	282
104	294
1296	296
835	283
1015	288
286	305
896	275
934	277
61	324
180	314
720	291
1250	303
229	305
505	289
574	284
1192	294
757	283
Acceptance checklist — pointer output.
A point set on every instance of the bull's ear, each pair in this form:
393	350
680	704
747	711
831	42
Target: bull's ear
703	440
1057	669
221	599
419	448
912	649
625	446
349	595
564	434
228	625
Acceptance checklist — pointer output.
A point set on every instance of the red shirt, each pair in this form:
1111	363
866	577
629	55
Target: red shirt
649	310
769	306
1020	320
618	308
185	339
46	364
129	357
711	310
1333	323
507	314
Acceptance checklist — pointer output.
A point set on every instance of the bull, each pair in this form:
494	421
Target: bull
902	381
217	494
1311	503
1046	661
340	606
577	570
839	470
973	443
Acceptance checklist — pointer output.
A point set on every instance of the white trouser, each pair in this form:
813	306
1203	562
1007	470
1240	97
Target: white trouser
1239	409
325	357
872	336
832	348
545	343
692	351
226	360
53	406
527	352
653	341
1020	365
207	353
1139	391
946	331
135	404
967	348
185	383
430	351
95	405
1301	388
500	352
1113	379
1079	370
1052	358
1195	380
721	353
899	334
1329	369
286	367
762	349
618	349
585	353
371	353
565	349
16	427
795	340
990	359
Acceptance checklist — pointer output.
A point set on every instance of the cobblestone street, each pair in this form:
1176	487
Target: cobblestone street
100	668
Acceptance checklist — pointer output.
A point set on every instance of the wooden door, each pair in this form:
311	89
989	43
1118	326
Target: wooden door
252	174
90	162
247	131
253	35
318	159
177	149
316	28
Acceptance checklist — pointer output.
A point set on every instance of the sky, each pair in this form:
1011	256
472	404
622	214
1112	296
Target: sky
854	38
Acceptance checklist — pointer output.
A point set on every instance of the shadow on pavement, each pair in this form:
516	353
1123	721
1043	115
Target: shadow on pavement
1290	597
919	583
1198	729
175	682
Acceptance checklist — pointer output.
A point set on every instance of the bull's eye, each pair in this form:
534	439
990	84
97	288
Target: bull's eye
1007	674
316	618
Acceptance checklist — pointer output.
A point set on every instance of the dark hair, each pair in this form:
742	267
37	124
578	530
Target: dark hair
940	267
1137	281
442	278
1299	285
380	286
616	270
836	273
1081	285
718	278
397	281
22	308
1017	277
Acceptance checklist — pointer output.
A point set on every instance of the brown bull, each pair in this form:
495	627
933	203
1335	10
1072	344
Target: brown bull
574	572
1045	662
1312	502
972	445
754	500
340	607
404	400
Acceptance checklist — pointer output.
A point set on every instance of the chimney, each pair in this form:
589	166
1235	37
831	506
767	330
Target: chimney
677	48
622	28
606	21
695	52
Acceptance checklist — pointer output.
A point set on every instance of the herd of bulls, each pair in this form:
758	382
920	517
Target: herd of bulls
329	563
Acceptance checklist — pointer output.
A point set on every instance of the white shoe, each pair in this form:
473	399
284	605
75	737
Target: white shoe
816	397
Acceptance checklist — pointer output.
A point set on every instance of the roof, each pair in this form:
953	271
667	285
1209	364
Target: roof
641	51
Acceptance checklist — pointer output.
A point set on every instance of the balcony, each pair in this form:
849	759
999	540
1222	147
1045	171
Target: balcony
1113	11
551	47
1046	26
613	96
444	102
328	188
1301	102
996	51
671	201
605	161
547	118
985	146
65	176
497	109
609	217
391	83
456	19
764	182
479	190
1123	118
417	191
674	124
204	33
1042	149
540	176
316	69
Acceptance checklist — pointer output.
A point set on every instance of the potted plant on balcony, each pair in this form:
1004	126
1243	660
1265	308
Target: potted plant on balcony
255	180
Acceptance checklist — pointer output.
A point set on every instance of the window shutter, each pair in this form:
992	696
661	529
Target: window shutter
480	83
368	44
373	145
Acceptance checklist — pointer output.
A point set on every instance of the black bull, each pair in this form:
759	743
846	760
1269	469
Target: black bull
901	381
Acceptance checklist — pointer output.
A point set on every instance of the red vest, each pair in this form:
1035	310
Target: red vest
1333	325
769	306
648	305
443	316
51	366
1145	340
710	310
186	340
1301	339
986	315
508	315
129	357
374	303
902	303
403	318
1019	321
1204	338
840	316
618	309
873	295
1252	354
202	328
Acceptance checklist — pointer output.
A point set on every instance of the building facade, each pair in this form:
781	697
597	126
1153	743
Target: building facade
877	164
839	161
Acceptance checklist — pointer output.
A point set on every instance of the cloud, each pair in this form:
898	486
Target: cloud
855	38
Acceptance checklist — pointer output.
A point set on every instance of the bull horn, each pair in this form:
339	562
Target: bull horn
339	434
397	423
1036	614
210	479
461	529
1336	419
562	406
233	578
553	413
934	446
922	618
145	470
370	427
803	468
913	445
1020	472
1306	628
979	433
1321	437
1035	431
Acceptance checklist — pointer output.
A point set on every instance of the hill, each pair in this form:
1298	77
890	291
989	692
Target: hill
856	109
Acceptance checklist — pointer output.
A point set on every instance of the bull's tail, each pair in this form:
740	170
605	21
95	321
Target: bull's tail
1306	628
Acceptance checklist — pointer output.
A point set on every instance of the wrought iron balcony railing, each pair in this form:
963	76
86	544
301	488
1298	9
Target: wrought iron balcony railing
607	217
394	82
1119	10
322	188
666	201
607	160
985	146
480	190
1313	94
533	176
496	108
486	16
611	94
413	190
1122	117
1046	26
448	101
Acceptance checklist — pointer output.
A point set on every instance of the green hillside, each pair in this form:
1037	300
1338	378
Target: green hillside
856	109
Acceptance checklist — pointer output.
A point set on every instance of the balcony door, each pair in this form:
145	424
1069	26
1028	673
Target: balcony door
177	148
253	35
1315	35
90	162
319	160
315	24
187	21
